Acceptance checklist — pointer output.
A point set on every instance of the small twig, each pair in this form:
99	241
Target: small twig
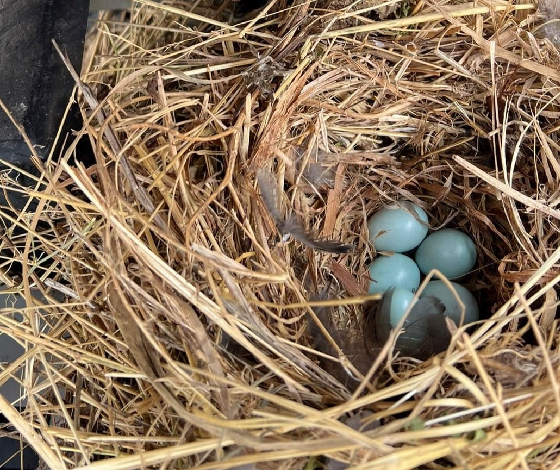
57	286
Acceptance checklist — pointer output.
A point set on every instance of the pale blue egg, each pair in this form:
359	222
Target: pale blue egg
393	271
401	226
400	301
452	308
448	250
390	310
395	303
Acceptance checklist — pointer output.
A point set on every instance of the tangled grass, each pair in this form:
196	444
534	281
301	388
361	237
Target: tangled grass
173	328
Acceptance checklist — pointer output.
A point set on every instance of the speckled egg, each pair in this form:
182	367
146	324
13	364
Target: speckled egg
400	226
393	271
440	290
450	251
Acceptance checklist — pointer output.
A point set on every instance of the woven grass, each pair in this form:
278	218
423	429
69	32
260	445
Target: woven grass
182	338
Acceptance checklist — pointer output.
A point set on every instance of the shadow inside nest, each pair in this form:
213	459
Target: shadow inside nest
17	207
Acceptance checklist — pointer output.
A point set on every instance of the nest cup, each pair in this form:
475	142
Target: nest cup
181	339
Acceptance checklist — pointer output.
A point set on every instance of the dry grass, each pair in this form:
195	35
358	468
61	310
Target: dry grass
182	340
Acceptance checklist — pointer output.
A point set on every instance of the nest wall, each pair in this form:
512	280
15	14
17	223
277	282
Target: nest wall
171	325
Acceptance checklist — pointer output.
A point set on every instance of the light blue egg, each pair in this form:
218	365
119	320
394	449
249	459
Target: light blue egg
393	271
401	226
395	303
447	250
390	310
400	301
452	308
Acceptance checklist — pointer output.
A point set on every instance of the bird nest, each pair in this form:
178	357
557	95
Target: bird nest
172	329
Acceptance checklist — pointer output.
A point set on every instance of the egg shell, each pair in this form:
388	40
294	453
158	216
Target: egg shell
396	228
393	271
450	251
440	290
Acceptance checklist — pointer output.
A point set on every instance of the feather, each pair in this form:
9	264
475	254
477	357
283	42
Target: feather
269	195
290	225
315	169
295	229
424	331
